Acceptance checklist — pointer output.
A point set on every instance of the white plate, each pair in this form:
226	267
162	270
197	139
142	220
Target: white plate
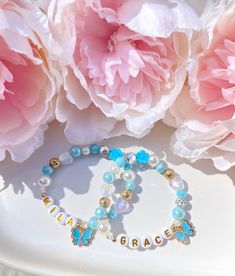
32	241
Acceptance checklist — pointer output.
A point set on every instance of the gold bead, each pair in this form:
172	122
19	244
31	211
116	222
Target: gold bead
126	195
104	202
169	174
54	162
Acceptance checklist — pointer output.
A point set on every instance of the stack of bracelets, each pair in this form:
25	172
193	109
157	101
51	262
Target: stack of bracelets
111	204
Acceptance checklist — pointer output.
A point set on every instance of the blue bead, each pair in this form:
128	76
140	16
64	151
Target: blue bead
131	186
75	151
47	170
100	213
178	213
115	153
181	193
93	223
161	167
95	149
142	157
108	177
112	213
120	162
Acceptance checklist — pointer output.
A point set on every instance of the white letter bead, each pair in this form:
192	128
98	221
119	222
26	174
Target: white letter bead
134	242
61	217
167	233
71	222
146	242
123	239
66	158
53	210
157	239
48	201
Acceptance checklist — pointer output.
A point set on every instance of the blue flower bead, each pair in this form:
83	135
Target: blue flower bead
75	151
95	149
142	157
47	170
115	153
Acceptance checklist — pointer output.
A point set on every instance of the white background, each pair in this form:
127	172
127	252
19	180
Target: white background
31	241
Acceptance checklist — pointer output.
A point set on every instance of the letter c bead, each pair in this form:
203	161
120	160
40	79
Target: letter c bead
123	239
157	240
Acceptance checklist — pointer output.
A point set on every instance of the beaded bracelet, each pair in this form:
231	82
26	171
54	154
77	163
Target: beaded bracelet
180	230
81	232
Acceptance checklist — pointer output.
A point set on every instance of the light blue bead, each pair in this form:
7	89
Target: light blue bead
142	157
130	186
100	213
178	213
181	193
120	162
47	170
161	167
108	177
75	151
128	166
115	153
112	213
95	149
93	223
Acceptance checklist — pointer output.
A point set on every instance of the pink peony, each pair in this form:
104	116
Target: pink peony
124	63
205	110
26	86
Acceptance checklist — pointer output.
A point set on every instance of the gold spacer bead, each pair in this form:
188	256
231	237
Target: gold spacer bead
169	174
126	195
54	162
104	202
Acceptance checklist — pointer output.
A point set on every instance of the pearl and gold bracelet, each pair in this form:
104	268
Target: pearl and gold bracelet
180	230
81	232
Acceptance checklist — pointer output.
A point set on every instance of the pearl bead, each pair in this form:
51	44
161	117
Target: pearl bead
44	181
180	202
122	239
66	158
157	239
104	226
167	233
121	205
128	175
53	210
85	150
100	213
48	201
71	221
54	162
115	169
61	217
153	160
109	177
134	242
146	242
107	189
178	213
177	183
131	158
47	170
104	202
104	151
75	151
93	223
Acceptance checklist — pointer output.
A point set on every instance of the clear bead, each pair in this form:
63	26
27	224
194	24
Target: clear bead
177	183
66	158
180	202
85	150
107	189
